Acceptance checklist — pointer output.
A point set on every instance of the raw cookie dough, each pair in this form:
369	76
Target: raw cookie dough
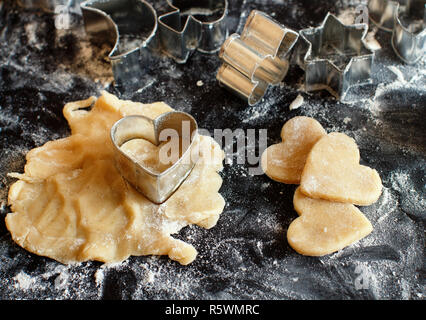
146	154
284	162
72	205
332	172
325	227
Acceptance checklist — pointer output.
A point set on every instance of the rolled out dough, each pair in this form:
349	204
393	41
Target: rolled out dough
72	205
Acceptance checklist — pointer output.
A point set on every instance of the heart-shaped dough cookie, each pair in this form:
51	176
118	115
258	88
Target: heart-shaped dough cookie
284	162
332	172
324	226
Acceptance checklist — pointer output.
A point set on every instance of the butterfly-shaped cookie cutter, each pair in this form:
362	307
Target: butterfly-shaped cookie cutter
256	59
408	42
180	37
157	187
335	57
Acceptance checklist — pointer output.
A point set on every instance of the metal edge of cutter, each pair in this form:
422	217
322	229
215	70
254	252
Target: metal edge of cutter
156	186
179	39
408	43
113	21
334	56
256	59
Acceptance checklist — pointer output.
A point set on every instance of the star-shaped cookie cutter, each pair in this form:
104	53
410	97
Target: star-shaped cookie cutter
408	38
112	21
183	30
335	57
256	59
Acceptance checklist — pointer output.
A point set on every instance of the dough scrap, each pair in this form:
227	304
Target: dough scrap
332	172
284	162
325	227
72	205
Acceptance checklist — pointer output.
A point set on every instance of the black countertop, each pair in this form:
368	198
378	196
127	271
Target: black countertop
246	256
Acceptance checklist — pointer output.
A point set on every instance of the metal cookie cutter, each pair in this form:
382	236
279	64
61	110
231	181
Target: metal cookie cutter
257	58
382	13
204	28
130	27
409	33
157	187
406	19
334	56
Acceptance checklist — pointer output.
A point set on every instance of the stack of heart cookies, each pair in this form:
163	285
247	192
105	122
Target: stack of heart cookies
331	182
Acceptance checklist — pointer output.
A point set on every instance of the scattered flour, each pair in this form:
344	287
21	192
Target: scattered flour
161	279
24	281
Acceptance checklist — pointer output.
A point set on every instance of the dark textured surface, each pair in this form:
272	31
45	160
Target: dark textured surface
246	255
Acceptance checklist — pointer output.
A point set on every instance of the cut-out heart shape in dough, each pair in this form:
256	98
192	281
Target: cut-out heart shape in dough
284	162
332	172
324	226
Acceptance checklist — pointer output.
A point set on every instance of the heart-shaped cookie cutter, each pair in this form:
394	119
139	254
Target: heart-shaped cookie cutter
157	187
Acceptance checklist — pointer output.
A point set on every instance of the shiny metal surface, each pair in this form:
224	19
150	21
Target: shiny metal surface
406	19
409	39
137	36
192	25
257	58
382	13
157	187
334	56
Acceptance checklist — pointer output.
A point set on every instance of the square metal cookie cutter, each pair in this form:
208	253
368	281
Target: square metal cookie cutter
257	58
408	37
157	187
335	57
